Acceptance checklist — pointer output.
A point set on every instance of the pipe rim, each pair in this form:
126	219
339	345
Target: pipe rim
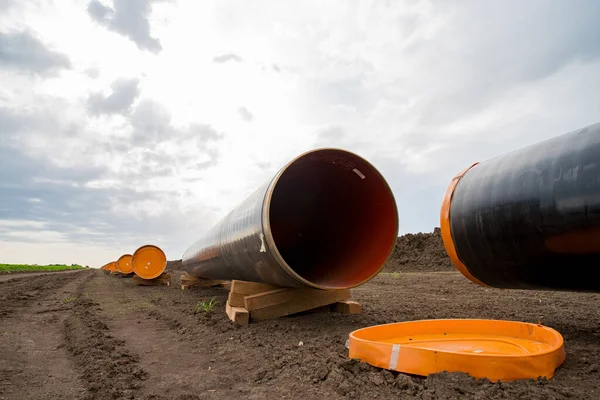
447	231
162	263
266	221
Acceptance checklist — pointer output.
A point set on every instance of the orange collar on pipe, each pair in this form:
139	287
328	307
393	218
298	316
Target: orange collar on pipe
447	232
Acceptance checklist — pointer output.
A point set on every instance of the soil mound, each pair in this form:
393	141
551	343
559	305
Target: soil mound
174	265
419	252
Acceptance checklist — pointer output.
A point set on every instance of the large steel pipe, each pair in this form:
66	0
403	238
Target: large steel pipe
529	219
327	220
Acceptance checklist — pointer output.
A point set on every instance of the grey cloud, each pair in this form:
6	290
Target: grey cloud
23	51
34	178
68	204
330	137
245	114
13	122
276	68
124	93
93	72
151	123
351	91
99	11
203	133
10	121
128	18
541	39
263	165
211	162
226	58
5	5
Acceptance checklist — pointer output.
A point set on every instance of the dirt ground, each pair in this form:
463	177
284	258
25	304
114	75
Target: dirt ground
7	276
87	335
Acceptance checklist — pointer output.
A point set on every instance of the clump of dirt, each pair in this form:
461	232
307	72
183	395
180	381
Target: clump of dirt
353	379
422	252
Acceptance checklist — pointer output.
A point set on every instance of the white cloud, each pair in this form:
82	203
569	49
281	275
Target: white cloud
168	113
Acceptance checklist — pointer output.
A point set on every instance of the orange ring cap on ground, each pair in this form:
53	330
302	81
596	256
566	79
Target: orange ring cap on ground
447	232
497	350
124	264
149	262
112	266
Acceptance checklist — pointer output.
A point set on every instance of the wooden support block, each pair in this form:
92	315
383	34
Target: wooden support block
209	283
346	307
282	302
226	285
238	315
236	299
164	279
271	298
243	287
188	281
121	275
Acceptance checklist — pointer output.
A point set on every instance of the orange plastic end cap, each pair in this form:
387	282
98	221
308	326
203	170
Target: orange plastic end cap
124	264
149	262
493	349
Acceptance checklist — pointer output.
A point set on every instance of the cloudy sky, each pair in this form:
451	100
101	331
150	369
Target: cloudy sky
128	122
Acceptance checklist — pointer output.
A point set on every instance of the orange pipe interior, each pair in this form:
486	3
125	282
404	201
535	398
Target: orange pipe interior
333	219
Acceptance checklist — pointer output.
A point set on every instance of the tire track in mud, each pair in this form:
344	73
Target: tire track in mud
108	369
20	293
31	334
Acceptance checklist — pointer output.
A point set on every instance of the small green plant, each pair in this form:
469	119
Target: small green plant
70	299
396	275
206	305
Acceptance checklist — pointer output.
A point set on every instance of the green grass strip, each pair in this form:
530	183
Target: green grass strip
28	268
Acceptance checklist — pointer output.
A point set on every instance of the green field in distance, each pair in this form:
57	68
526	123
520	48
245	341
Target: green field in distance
27	268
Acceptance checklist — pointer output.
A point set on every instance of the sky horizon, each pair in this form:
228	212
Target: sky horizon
132	122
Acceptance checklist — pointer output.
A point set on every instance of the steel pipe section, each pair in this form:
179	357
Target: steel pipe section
529	219
327	220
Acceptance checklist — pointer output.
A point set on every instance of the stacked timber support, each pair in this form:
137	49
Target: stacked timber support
188	281
255	301
162	279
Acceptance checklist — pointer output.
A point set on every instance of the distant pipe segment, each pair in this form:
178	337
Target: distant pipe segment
148	262
529	219
327	220
123	264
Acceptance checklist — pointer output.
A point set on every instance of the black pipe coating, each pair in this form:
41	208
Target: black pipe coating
530	219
